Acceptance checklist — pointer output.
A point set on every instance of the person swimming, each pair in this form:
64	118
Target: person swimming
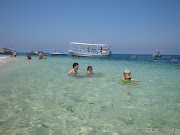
74	70
127	75
28	57
45	57
89	70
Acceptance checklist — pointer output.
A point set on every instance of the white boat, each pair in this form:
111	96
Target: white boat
174	59
58	53
158	53
32	53
91	50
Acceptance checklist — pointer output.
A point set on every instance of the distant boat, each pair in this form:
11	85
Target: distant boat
157	53
5	51
32	53
96	50
57	53
174	59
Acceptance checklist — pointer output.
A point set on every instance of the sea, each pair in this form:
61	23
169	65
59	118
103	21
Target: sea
39	97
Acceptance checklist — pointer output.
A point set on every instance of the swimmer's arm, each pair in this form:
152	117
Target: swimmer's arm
135	80
70	72
89	73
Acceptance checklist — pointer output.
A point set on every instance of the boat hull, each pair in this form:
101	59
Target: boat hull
90	54
58	54
5	52
32	53
157	55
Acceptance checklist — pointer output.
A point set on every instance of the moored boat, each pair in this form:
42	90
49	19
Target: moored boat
32	53
92	50
57	53
157	53
5	51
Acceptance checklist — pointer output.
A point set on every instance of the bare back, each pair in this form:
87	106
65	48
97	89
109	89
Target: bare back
72	72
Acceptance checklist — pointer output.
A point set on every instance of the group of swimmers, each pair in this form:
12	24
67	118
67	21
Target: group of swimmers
75	68
40	56
126	73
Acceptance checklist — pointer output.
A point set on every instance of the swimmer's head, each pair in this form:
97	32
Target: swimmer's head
89	68
127	74
75	66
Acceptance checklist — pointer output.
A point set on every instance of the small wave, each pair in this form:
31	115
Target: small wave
2	59
86	75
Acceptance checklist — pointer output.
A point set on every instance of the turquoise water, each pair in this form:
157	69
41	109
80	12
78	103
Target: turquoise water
39	97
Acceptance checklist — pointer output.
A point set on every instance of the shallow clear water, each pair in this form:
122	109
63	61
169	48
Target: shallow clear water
39	97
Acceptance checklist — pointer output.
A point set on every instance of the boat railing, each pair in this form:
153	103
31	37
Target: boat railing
90	50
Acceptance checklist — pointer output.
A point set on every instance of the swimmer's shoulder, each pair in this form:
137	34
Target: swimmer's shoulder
71	71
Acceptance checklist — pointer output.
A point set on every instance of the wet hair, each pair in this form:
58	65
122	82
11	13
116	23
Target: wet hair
74	65
89	68
127	74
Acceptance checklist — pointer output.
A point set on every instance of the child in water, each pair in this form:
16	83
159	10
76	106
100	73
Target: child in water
45	57
127	75
89	70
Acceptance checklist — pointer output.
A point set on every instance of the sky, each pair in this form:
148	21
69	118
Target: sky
129	26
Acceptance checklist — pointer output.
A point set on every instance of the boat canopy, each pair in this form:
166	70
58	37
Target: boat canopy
89	44
158	50
7	48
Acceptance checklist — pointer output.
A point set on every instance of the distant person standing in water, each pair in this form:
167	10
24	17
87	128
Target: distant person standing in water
89	70
14	53
74	70
127	75
41	55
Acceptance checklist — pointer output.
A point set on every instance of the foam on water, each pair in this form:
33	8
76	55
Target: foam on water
3	59
39	97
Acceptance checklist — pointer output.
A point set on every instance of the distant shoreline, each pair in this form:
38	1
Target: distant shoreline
25	54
